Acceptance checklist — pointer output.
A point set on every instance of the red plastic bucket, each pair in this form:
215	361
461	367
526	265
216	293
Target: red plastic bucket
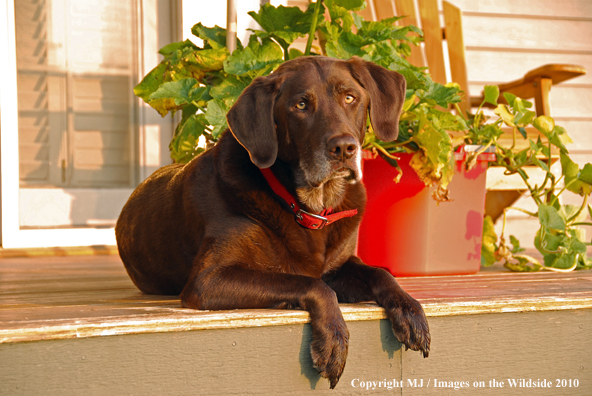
405	231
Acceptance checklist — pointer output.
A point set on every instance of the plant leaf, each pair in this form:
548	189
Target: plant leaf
491	94
181	92
285	24
550	218
548	242
431	162
339	13
351	5
488	244
565	261
524	119
502	111
544	124
177	46
410	102
520	105
585	175
151	81
579	182
256	59
569	169
295	53
439	94
183	147
568	211
447	121
556	141
522	264
510	98
577	241
216	116
229	89
344	45
562	134
515	245
202	61
539	163
213	37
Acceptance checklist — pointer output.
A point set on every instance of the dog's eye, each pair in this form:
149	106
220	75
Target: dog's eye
301	105
349	99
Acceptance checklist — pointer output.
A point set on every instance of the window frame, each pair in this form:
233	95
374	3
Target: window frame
152	140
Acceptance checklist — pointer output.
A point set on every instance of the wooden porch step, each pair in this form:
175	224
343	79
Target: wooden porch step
96	250
70	325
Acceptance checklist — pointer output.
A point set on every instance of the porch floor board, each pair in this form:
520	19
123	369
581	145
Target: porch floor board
44	298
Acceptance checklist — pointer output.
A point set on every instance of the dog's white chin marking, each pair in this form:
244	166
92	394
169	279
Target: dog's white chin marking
330	193
358	166
327	195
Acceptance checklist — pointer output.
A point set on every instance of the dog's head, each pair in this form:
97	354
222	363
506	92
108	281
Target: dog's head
311	114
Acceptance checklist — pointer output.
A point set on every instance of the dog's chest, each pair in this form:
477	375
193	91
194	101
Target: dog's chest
305	252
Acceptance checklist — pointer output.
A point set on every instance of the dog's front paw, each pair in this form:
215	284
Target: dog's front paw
409	323
329	348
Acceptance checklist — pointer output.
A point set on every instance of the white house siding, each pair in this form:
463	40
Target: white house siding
504	39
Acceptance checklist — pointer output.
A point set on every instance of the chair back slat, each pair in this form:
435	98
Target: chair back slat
406	8
367	13
456	50
431	53
430	21
384	9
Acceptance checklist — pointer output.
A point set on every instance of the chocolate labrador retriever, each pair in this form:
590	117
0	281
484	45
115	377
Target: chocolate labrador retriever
268	217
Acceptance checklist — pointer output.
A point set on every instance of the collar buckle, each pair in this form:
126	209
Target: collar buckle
305	219
301	214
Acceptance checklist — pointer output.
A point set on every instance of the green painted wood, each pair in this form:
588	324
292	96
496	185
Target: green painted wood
544	345
276	360
267	360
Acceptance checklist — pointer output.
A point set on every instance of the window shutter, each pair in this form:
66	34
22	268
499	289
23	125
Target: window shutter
76	65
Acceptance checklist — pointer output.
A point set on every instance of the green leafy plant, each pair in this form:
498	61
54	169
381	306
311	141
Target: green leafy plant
204	82
560	238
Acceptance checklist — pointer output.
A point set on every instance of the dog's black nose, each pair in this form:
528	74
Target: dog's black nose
342	147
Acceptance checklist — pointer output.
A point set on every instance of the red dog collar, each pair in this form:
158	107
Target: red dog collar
305	219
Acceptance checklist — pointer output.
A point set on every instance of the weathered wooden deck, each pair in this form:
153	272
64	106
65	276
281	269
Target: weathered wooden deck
77	324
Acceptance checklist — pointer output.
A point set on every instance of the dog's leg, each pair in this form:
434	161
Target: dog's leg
356	282
236	287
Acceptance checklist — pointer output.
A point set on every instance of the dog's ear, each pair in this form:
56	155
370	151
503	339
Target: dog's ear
251	121
386	89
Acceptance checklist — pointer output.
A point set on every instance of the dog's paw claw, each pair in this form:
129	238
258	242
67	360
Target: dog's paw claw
410	325
329	353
